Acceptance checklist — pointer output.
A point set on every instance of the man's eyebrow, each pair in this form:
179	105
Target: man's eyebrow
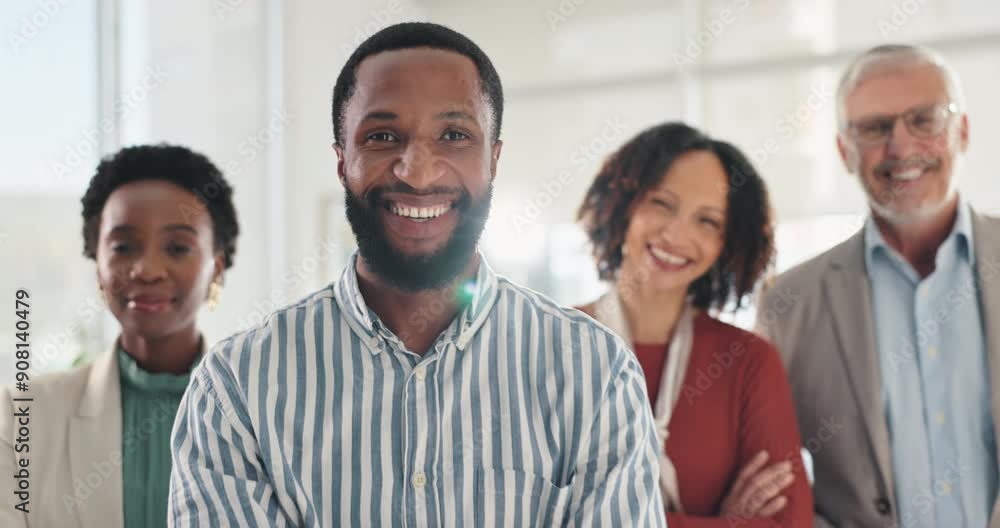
385	115
380	115
122	228
456	114
180	227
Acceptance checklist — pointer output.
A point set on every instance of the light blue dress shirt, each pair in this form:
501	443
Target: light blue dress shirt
935	381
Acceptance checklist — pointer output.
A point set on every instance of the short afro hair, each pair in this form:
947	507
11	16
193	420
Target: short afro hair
174	164
638	166
409	35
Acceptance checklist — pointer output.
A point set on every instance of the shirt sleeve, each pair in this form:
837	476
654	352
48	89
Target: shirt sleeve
617	470
217	477
768	423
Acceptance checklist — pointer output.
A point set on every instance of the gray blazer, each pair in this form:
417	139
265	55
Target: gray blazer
819	316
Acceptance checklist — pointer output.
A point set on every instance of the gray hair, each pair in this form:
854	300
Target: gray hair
887	56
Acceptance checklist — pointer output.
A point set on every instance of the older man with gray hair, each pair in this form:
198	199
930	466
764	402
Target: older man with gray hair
892	338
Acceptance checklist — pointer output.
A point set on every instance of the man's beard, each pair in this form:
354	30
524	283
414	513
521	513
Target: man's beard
892	203
416	272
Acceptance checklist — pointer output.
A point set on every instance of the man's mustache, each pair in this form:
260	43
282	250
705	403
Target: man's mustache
374	197
909	162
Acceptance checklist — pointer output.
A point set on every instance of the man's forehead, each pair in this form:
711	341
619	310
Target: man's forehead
417	72
896	89
419	57
401	68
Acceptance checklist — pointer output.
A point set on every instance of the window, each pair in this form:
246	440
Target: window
52	142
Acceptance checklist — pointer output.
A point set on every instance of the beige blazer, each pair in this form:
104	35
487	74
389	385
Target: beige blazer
75	441
819	316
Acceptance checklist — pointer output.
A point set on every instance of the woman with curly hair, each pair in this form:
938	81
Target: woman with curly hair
680	226
160	224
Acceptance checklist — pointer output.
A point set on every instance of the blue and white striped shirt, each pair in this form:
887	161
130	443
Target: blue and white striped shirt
522	413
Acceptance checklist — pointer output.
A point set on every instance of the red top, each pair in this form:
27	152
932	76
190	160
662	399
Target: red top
652	358
735	402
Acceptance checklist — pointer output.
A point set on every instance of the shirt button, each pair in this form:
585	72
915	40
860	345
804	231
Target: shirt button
421	374
939	418
932	352
946	488
419	479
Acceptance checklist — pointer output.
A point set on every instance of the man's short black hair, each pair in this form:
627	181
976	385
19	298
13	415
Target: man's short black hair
171	163
416	35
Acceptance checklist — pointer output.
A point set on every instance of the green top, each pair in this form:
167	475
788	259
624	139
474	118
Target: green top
149	404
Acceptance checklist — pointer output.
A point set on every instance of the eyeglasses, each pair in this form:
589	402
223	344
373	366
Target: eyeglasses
922	121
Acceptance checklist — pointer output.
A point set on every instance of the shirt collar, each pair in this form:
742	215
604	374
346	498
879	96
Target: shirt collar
961	232
156	382
477	298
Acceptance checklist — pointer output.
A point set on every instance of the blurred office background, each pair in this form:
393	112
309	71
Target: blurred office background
248	82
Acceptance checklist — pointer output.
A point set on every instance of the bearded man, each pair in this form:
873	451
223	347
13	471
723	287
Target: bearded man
892	338
420	389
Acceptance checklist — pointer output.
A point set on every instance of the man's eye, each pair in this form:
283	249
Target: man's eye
874	127
923	120
381	137
454	135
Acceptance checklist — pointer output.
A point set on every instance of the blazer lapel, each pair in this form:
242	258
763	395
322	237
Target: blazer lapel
849	294
95	447
985	231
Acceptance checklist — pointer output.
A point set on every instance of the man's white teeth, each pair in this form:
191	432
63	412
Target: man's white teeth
907	175
419	213
668	257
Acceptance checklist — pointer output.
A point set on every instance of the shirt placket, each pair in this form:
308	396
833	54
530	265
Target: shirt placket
418	406
936	377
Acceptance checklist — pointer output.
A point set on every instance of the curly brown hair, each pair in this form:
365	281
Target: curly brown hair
638	166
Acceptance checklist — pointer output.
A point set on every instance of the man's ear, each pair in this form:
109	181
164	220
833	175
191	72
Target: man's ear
341	174
845	154
495	157
963	133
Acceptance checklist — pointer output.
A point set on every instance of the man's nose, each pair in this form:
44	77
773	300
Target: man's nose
900	142
419	166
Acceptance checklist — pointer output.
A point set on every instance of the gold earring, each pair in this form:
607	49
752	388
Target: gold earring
100	294
214	291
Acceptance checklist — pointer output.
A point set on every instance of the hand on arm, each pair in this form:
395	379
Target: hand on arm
757	490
